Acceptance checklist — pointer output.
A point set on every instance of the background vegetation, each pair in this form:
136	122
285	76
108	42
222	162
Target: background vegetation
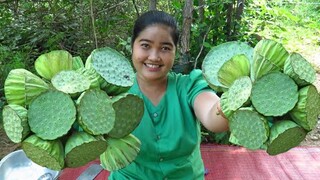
29	28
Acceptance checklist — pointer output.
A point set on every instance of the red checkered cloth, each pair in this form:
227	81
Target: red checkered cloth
236	163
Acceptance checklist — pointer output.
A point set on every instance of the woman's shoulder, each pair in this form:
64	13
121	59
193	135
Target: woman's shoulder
195	74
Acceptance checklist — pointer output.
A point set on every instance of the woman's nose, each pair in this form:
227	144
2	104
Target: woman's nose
154	56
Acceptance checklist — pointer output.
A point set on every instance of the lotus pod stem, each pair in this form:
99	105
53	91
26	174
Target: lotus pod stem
21	87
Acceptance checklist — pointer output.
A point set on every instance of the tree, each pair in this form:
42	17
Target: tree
184	65
152	4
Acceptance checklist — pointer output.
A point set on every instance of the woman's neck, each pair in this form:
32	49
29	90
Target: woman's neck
154	90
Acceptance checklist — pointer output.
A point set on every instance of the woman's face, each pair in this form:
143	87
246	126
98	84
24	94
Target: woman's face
153	53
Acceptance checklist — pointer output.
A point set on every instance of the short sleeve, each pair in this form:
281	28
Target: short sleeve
196	84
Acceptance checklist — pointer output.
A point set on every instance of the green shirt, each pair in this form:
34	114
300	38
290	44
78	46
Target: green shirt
169	133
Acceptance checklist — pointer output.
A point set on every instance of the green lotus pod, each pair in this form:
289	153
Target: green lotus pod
249	128
81	148
51	114
95	113
217	56
268	56
77	63
70	82
274	94
284	135
300	70
46	153
236	96
15	122
49	64
129	110
307	109
92	75
261	67
114	68
236	67
120	152
21	87
234	140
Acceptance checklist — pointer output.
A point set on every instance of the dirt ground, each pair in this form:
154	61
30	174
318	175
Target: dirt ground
312	139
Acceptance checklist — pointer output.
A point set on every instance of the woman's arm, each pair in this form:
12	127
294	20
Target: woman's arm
208	111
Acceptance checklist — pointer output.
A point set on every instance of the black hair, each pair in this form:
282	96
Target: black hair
155	17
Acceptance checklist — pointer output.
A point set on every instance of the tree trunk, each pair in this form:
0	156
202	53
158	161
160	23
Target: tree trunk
153	5
184	65
238	14
229	27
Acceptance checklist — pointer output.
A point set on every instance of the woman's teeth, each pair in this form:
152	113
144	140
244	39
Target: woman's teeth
152	65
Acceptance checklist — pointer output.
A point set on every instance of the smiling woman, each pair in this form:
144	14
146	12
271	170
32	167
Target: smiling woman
175	105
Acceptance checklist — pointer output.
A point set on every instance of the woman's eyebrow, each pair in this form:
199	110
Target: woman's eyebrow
162	43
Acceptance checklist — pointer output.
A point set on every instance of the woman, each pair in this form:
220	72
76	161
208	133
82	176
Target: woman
175	105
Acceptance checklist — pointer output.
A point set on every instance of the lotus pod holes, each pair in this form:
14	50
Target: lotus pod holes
300	70
51	114
71	82
81	148
237	95
249	128
274	94
15	122
46	153
129	110
114	69
284	135
96	115
217	56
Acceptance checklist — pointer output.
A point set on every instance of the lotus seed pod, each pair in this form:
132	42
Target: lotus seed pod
92	75
51	114
274	94
129	110
262	66
300	70
284	135
249	128
307	109
15	122
236	96
71	82
238	66
107	63
22	86
49	64
81	148
268	56
45	153
120	152
217	56
77	63
95	112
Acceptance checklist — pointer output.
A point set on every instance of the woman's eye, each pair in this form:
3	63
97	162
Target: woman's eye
145	45
165	48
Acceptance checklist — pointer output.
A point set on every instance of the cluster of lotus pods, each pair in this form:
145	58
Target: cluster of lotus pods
69	112
267	93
